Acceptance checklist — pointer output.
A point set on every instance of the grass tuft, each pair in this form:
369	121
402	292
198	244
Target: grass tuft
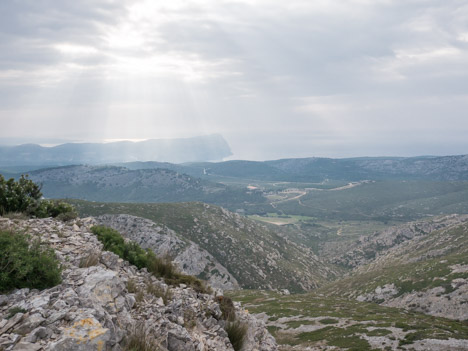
91	260
140	340
237	332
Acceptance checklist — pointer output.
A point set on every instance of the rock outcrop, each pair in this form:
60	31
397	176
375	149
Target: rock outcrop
101	307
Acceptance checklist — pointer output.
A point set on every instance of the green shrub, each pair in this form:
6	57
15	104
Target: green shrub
24	196
236	333
26	263
134	254
162	267
328	321
18	196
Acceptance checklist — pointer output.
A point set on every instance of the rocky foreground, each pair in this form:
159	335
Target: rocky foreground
107	302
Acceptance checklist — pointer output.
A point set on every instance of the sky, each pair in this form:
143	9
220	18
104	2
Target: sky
297	78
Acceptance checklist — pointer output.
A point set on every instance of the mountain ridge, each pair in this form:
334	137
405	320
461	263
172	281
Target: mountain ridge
203	148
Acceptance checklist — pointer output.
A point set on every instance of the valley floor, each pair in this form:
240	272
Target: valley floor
318	322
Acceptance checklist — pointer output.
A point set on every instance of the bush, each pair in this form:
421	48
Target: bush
53	208
114	242
236	333
134	254
21	196
24	196
26	263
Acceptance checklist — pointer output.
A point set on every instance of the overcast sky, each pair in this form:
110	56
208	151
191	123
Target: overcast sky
294	78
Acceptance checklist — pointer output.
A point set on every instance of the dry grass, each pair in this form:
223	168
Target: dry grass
139	339
131	286
91	260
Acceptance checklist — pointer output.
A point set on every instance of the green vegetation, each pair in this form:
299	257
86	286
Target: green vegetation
19	196
383	201
328	321
25	262
235	329
24	196
346	321
236	333
134	254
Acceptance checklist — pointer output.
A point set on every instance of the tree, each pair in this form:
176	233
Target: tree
25	196
21	196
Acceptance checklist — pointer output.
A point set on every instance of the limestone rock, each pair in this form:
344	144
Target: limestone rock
92	308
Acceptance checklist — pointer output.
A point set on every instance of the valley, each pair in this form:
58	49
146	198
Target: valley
352	254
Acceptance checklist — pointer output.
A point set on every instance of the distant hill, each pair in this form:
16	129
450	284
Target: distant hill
203	148
317	169
119	184
422	266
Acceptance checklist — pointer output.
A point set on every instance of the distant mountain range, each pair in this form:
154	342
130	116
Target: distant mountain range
316	169
350	169
204	148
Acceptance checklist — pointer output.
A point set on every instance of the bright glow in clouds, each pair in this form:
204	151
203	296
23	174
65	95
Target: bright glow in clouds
299	78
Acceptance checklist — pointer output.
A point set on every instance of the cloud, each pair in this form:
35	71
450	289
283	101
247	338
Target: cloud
296	76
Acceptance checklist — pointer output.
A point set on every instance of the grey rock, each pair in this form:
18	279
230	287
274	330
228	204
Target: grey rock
92	309
12	322
30	323
27	346
38	333
177	341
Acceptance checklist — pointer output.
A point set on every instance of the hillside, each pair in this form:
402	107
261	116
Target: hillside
381	201
315	169
319	322
257	257
422	266
103	303
117	184
389	200
203	148
187	255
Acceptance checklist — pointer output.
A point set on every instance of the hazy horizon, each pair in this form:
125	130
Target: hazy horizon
57	142
337	79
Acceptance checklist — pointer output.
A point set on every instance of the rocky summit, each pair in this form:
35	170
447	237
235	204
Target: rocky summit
101	305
